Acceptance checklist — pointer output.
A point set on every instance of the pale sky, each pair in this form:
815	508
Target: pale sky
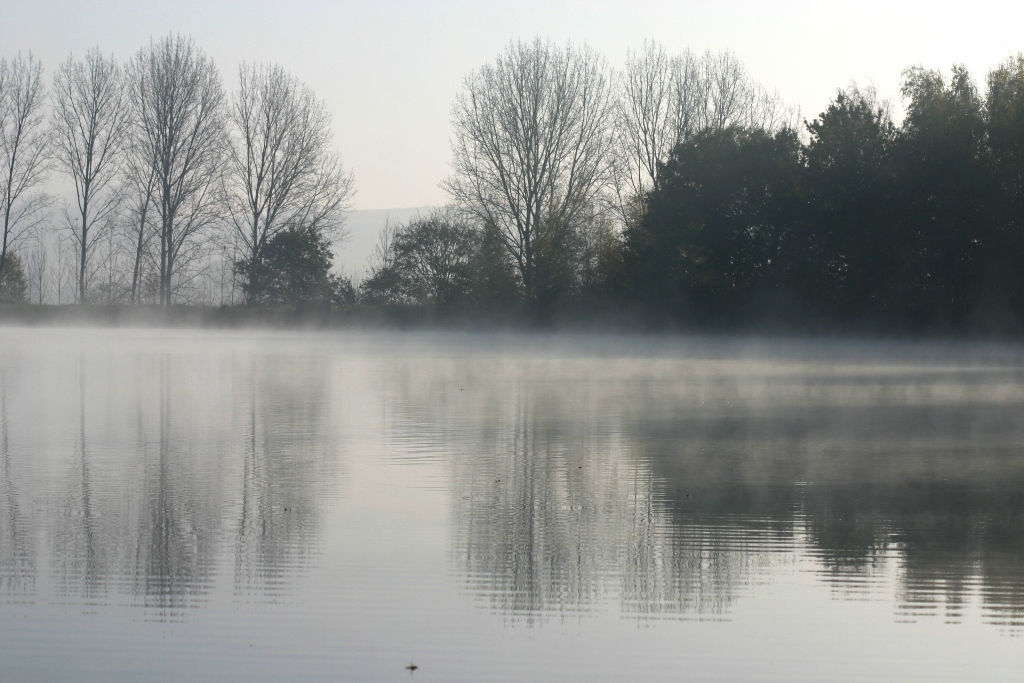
389	70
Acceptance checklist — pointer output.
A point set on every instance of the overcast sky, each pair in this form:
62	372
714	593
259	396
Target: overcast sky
389	70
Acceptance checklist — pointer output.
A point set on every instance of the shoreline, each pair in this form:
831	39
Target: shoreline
577	318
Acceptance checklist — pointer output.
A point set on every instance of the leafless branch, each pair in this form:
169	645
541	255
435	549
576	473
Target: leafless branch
24	143
89	123
664	101
531	149
283	173
178	126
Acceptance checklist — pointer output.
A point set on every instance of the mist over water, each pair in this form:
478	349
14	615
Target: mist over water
258	506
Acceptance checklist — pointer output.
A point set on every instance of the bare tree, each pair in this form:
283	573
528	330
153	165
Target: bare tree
531	148
648	121
67	267
110	267
666	100
138	211
225	277
283	172
382	256
89	124
178	128
691	95
735	98
38	272
23	150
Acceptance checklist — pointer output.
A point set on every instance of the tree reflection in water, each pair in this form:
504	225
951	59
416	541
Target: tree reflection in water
673	487
164	458
284	406
17	542
666	485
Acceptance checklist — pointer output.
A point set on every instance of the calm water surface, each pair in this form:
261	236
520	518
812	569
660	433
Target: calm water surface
242	506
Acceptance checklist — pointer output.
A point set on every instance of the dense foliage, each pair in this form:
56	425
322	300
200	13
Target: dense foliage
12	281
916	225
293	268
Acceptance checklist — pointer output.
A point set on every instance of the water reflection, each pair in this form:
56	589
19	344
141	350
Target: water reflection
956	544
676	487
152	473
17	548
669	485
288	463
919	472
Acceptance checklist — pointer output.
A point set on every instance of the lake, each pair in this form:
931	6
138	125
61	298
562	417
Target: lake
258	506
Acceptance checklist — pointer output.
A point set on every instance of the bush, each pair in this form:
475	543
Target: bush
12	281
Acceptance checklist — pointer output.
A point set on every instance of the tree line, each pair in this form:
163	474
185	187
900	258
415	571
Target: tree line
850	219
170	176
681	188
554	155
676	185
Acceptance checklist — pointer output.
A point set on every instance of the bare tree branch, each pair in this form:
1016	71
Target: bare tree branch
531	150
283	173
664	101
24	160
89	123
177	105
138	194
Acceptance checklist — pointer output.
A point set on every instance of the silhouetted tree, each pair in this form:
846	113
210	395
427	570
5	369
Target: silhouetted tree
1004	108
946	195
853	251
39	272
653	108
721	221
12	281
572	262
427	261
495	279
432	256
293	268
343	292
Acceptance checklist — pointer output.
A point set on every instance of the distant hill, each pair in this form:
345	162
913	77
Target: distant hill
351	256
